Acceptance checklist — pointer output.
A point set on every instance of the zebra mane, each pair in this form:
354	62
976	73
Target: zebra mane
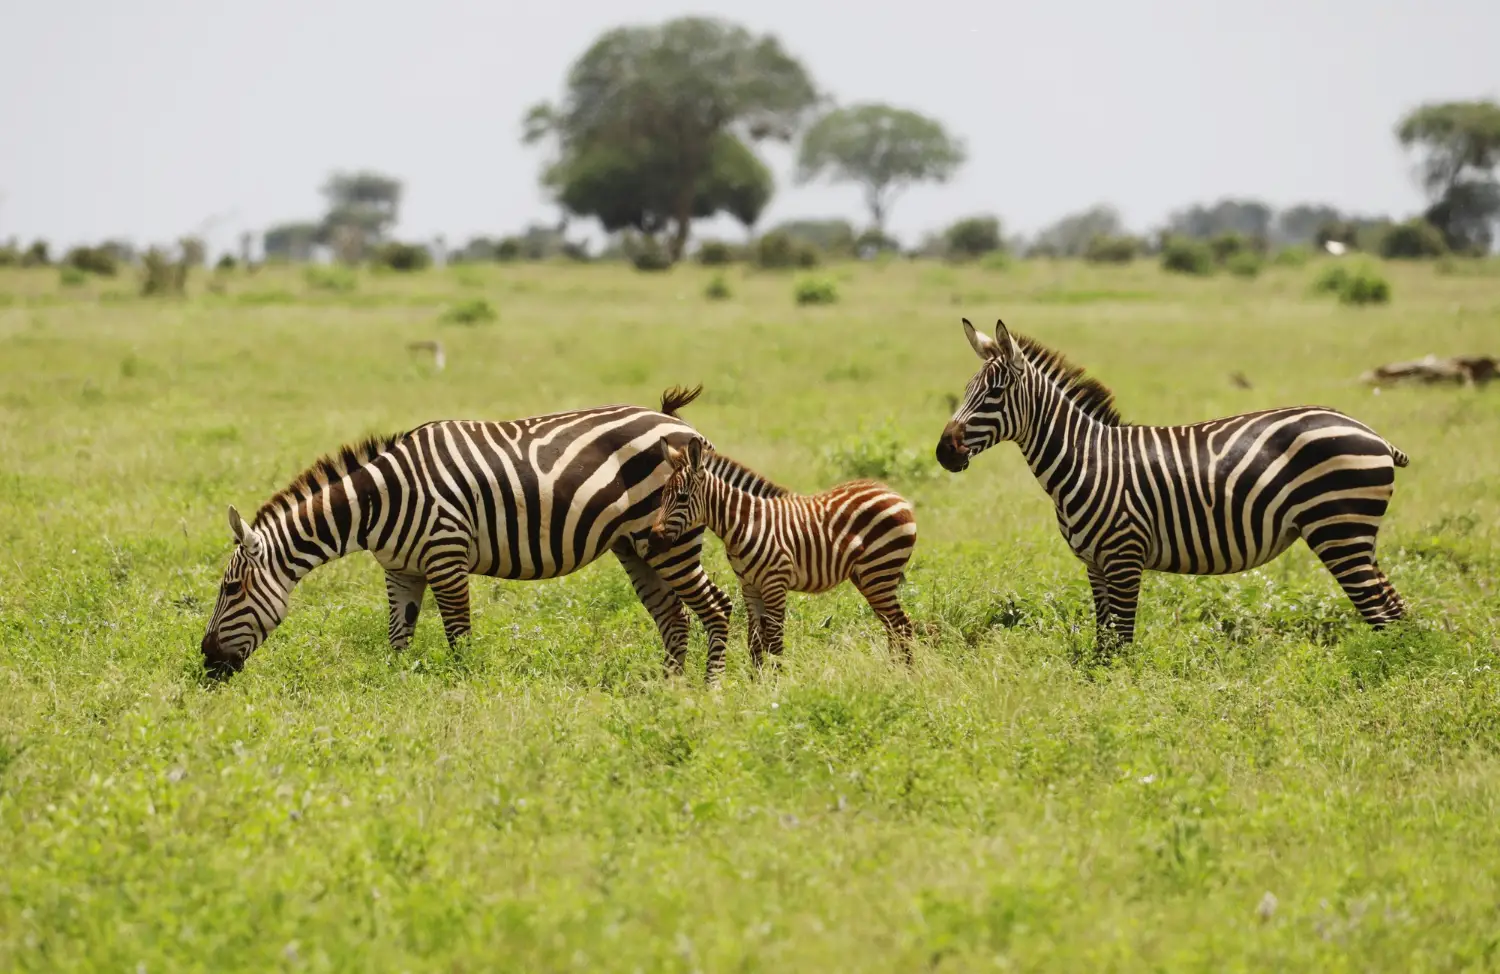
1087	393
327	469
741	477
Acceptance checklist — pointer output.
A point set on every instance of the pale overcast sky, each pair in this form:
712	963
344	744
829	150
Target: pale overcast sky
145	119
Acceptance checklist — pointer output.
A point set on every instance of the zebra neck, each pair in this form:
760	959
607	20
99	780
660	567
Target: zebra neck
725	507
316	529
1057	438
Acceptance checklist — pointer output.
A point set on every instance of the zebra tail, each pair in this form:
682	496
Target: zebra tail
1399	458
677	397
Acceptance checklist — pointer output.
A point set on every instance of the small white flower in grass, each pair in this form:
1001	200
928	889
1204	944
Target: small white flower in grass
1267	907
1147	779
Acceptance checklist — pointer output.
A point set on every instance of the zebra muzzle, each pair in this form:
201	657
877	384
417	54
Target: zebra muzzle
951	451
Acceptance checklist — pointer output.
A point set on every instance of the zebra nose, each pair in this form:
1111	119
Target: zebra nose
216	661
951	452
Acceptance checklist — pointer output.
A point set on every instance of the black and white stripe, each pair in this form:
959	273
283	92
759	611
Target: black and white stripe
1207	499
529	499
779	541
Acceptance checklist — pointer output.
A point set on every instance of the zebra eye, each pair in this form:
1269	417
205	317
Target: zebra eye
232	589
683	496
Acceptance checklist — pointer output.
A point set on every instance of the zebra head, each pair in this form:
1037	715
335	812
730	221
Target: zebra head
252	602
682	496
993	404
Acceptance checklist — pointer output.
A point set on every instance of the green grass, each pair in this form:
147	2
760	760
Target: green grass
542	800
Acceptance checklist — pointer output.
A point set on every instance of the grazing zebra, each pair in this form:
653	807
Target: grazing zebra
1212	498
779	542
527	499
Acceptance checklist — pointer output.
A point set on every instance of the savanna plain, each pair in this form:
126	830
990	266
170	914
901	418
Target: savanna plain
1259	783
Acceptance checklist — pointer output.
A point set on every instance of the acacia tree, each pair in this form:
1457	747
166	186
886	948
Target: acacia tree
1071	235
670	95
1459	144
362	208
881	148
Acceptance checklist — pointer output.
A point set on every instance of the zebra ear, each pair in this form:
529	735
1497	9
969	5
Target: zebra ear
670	453
243	533
982	345
1004	342
695	452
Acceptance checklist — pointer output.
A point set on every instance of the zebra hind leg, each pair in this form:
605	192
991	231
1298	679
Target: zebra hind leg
1349	557
666	609
755	611
403	595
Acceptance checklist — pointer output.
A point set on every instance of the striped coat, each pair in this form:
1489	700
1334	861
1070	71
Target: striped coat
778	541
529	499
1207	499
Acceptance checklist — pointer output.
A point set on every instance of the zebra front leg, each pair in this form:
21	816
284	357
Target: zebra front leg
880	592
665	607
1122	585
403	594
755	610
450	590
683	572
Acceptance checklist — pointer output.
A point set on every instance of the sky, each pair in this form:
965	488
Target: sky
152	119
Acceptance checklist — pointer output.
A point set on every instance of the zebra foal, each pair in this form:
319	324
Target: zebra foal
1212	498
778	541
529	499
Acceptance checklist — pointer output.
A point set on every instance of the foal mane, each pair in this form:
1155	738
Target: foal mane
741	477
1086	392
329	468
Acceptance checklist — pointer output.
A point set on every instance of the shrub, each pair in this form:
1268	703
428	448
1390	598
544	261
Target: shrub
70	276
1331	279
474	311
161	277
876	455
779	250
332	277
92	260
403	257
648	255
715	253
508	250
1365	286
973	236
872	243
1246	263
815	290
10	255
1293	256
1183	256
718	289
1105	249
226	263
37	255
1413	240
995	260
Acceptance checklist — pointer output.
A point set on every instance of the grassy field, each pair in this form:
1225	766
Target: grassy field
1261	784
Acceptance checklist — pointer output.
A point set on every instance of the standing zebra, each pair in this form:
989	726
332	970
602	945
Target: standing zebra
1213	498
528	499
779	542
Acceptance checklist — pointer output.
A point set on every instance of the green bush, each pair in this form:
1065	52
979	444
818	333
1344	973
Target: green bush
973	237
995	260
92	260
1183	256
508	250
1331	279
1412	240
1226	245
403	257
70	276
872	242
1293	256
161	277
1245	263
779	250
37	255
333	278
715	253
1365	286
718	289
815	290
474	311
226	263
1105	249
650	256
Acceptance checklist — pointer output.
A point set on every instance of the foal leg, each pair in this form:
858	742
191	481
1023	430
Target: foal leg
880	591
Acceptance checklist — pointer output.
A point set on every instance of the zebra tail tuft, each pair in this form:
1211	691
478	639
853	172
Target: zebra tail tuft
1400	459
678	396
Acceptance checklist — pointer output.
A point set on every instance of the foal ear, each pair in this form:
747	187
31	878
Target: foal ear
983	346
695	452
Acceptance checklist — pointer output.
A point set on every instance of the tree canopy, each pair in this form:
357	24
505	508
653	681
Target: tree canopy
362	208
883	149
1071	236
682	99
1459	144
